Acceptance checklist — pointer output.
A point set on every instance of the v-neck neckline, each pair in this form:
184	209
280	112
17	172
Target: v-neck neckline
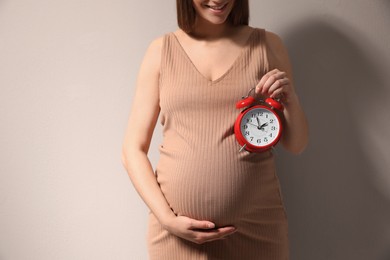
241	53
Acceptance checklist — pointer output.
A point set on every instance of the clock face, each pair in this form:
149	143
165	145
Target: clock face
260	127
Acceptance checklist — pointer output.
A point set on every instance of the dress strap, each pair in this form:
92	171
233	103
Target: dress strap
264	51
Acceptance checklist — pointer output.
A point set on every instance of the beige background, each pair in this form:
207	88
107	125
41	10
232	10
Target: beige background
67	76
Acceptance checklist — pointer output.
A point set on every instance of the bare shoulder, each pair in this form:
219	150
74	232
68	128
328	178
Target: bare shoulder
275	44
272	38
277	52
152	58
156	45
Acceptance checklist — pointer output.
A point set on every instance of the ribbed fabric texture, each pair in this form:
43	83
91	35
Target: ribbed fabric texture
201	172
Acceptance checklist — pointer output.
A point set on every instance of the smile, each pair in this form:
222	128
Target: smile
217	7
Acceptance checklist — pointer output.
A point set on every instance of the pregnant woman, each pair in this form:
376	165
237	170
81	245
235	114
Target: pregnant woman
207	199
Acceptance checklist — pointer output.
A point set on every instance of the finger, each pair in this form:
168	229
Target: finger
264	79
277	93
223	231
268	83
199	224
215	234
278	84
271	80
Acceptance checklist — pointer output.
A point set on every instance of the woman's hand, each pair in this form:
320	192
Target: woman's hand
276	84
197	231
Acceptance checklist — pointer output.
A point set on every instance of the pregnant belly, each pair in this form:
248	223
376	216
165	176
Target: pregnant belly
218	190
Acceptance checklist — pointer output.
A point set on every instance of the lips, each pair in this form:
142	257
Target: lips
217	7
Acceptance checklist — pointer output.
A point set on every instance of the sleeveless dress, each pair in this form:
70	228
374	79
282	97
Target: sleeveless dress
201	172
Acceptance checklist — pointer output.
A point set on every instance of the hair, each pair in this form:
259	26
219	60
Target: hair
186	14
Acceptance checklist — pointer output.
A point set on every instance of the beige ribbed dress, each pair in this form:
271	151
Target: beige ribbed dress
201	172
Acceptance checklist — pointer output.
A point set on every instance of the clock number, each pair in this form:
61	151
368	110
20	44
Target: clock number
261	114
259	141
246	132
270	135
265	139
273	128
245	126
266	116
251	138
271	121
248	120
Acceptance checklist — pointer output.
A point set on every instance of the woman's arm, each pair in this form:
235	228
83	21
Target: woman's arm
279	82
141	124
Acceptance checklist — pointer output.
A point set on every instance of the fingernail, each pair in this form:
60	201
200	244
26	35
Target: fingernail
211	225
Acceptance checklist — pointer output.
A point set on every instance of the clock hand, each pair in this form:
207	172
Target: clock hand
258	121
253	125
265	124
259	126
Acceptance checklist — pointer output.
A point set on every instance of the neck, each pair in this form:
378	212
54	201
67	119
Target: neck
204	30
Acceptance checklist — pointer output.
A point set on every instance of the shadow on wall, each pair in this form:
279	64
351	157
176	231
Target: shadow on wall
335	211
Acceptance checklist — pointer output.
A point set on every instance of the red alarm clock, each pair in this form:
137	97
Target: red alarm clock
258	127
